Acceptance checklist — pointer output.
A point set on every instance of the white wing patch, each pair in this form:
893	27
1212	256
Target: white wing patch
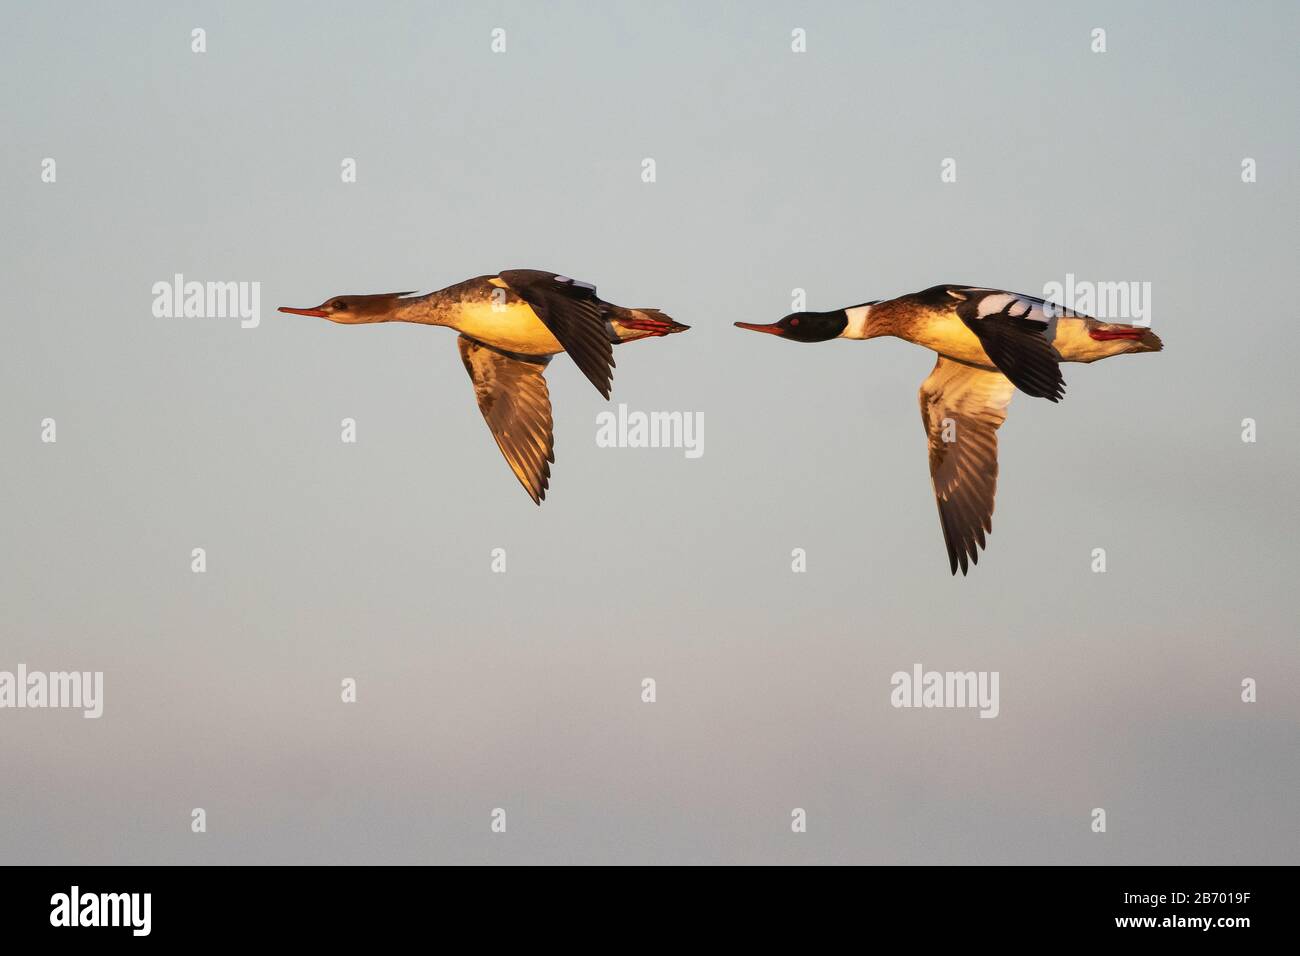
1018	306
1013	305
576	283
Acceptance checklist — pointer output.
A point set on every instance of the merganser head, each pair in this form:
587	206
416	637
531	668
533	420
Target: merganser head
353	309
805	326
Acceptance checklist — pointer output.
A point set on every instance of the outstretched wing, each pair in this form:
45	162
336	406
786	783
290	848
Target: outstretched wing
1013	329
512	395
962	407
575	317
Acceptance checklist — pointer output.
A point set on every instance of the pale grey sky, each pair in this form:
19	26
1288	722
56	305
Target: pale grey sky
775	171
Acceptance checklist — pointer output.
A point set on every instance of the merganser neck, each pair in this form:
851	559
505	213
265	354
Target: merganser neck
868	321
431	309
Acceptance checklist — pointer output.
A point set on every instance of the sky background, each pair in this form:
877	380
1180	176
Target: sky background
775	171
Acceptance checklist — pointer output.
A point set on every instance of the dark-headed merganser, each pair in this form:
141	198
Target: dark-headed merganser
510	325
989	343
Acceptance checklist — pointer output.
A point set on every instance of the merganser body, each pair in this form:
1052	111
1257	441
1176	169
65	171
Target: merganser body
989	344
510	325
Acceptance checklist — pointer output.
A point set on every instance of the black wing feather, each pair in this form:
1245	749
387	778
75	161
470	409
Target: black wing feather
1015	342
575	316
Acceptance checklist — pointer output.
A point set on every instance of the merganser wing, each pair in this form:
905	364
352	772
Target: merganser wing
512	395
575	317
962	407
1013	330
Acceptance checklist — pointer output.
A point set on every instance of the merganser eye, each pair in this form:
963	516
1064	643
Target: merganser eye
340	305
794	321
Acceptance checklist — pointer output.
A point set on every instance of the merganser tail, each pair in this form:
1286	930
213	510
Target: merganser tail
632	324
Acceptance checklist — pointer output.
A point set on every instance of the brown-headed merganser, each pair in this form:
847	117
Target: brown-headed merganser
510	325
989	344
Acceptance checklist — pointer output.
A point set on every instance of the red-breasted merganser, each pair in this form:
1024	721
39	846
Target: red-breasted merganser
989	343
510	325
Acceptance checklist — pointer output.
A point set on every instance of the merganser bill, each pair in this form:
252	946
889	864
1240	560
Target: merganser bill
989	343
510	326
